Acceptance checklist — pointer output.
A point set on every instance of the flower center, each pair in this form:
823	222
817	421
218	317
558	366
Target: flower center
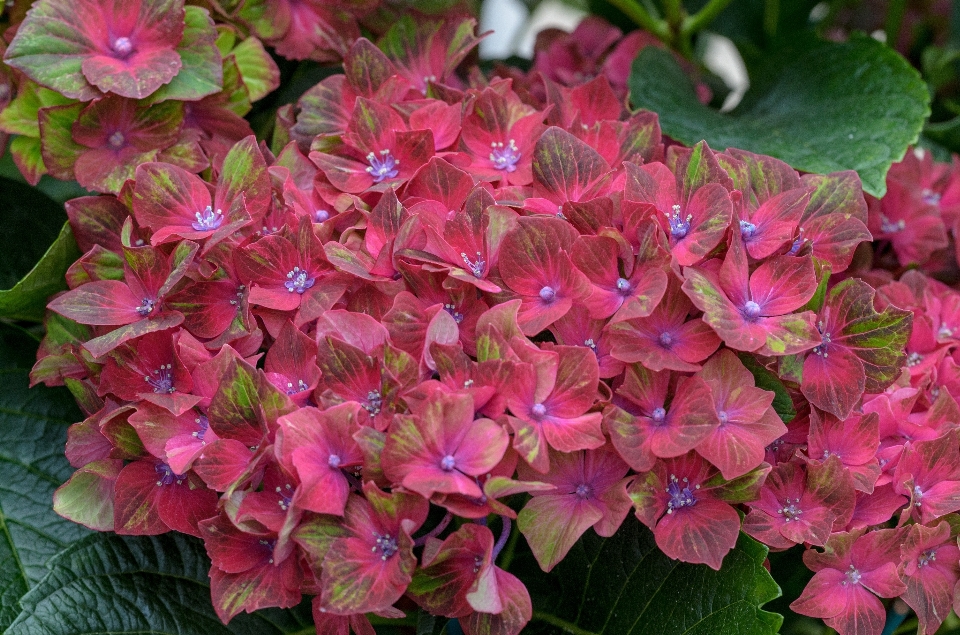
945	331
824	342
298	280
747	229
583	490
386	545
382	167
208	219
203	424
448	463
889	227
666	340
679	226
476	268
539	411
751	310
321	215
623	286
724	418
334	461
286	496
658	414
680	494
162	381
116	140
146	307
452	310
853	576
930	197
589	343
166	475
790	511
917	495
927	557
505	157
797	244
914	359
374	402
294	389
122	46
547	294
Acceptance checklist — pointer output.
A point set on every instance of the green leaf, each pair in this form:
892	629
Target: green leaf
33	426
820	106
34	253
202	71
782	404
120	584
258	70
430	624
624	585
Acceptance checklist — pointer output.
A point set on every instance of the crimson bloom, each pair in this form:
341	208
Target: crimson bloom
849	575
132	57
757	311
441	448
373	563
693	206
549	395
801	504
748	423
689	508
590	492
644	422
535	265
931	570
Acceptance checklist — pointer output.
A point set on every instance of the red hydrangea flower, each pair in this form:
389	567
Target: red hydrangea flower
854	569
689	509
64	45
590	492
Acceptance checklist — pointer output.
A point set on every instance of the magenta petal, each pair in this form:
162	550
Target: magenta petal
700	534
135	77
823	596
101	303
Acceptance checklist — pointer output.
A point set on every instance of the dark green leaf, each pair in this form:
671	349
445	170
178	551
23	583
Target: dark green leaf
430	624
33	426
121	584
27	299
820	106
782	404
624	585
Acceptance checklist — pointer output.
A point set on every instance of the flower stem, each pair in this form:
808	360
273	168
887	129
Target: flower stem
699	20
636	12
504	534
422	540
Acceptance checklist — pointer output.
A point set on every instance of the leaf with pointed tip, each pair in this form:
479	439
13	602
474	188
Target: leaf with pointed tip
33	256
624	585
820	106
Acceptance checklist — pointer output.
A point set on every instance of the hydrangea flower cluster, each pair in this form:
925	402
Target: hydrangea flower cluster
449	306
104	86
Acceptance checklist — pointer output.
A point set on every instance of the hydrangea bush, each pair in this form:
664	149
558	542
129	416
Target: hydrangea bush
437	319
